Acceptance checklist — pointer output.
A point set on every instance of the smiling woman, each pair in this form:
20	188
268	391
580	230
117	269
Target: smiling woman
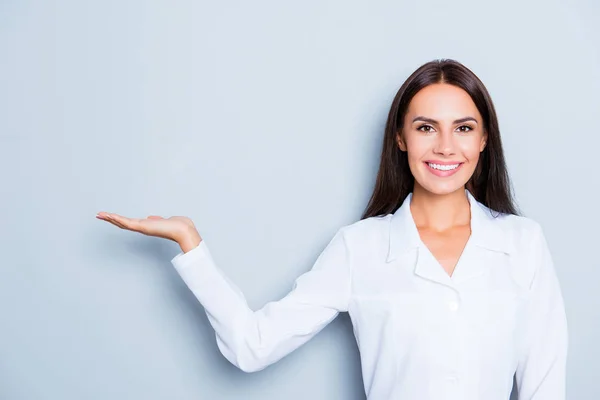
444	123
451	293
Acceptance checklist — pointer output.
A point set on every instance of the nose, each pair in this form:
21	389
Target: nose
444	144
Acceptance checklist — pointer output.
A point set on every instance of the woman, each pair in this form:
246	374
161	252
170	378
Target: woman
450	292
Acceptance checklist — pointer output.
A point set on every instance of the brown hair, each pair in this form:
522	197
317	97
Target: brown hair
489	184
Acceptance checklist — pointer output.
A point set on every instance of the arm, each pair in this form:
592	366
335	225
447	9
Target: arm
252	340
541	370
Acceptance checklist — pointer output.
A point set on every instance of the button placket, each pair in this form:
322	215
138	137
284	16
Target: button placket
453	302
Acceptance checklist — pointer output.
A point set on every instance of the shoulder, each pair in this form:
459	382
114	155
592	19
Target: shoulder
367	227
520	230
517	224
528	247
367	236
516	235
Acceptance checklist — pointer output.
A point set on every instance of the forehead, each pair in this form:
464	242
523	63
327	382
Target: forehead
443	101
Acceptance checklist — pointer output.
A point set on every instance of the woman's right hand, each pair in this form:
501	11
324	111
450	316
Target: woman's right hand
178	229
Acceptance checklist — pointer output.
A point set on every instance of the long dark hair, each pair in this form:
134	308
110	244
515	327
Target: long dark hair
490	183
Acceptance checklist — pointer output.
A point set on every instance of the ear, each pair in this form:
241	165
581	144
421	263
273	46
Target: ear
483	143
400	141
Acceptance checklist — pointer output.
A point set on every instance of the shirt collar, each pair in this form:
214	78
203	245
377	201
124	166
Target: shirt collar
486	229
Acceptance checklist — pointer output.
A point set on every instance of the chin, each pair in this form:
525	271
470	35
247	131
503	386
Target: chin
441	188
441	191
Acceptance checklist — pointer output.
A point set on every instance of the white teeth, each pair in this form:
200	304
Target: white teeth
443	167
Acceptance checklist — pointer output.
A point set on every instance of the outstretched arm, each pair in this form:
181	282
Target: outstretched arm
252	340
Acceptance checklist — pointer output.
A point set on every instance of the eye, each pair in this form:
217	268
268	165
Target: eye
425	126
469	128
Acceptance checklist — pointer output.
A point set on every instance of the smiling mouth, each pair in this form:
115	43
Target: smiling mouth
443	167
443	170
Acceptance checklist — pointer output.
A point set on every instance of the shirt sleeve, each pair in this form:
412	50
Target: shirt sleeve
541	370
252	340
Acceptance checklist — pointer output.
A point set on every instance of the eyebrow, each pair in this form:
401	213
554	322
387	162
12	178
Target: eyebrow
433	121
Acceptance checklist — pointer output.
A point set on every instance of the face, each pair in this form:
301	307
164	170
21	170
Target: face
443	136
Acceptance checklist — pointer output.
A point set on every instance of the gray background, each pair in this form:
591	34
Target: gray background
263	122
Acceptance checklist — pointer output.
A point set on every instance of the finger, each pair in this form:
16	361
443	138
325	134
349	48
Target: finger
104	217
110	218
119	225
130	224
155	217
124	222
115	222
119	218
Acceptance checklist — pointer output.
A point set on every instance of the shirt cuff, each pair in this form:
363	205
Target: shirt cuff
181	260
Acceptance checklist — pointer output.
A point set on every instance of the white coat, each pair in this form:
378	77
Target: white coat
422	334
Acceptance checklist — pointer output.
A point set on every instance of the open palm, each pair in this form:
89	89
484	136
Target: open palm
172	228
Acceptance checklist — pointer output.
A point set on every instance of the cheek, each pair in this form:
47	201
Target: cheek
417	148
469	148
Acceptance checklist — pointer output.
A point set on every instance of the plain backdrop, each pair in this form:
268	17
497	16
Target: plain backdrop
263	122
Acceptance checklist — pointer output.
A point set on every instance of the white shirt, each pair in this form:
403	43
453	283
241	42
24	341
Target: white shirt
422	334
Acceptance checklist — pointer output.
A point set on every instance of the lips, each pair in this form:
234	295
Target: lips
443	168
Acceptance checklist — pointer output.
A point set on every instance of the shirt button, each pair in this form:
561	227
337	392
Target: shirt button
453	305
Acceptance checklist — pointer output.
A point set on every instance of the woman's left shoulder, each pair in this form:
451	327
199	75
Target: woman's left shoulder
520	230
517	224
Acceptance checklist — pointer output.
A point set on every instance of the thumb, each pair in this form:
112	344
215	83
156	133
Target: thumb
155	217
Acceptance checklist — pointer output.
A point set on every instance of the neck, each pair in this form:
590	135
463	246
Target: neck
440	212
